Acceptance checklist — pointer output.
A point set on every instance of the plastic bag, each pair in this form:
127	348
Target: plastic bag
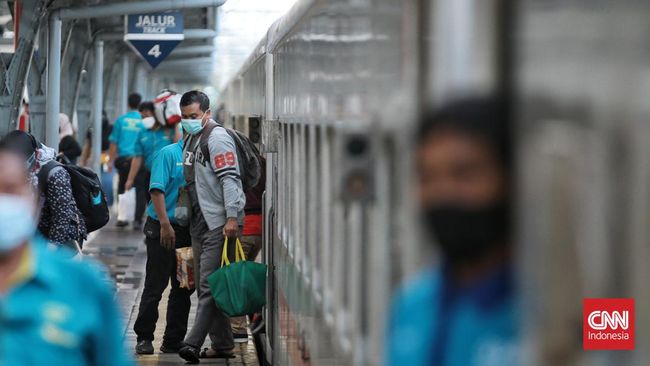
126	206
185	267
238	288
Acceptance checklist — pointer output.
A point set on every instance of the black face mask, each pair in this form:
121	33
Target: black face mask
466	234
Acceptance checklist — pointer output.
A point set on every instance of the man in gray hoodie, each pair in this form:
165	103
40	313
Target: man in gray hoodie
217	211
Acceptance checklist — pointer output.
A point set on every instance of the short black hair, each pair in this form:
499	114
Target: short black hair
146	106
483	117
134	100
20	142
195	96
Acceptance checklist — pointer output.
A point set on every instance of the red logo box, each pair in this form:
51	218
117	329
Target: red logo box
608	324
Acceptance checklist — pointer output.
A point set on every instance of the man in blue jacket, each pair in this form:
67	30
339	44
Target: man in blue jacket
464	311
53	310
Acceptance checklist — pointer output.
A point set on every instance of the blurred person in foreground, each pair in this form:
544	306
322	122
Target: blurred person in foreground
462	311
55	311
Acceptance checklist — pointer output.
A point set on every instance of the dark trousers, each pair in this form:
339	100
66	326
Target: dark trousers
161	268
141	184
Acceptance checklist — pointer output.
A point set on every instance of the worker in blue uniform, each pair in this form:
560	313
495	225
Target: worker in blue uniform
463	310
53	310
152	137
122	138
163	234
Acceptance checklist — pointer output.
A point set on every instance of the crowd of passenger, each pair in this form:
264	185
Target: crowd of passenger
164	160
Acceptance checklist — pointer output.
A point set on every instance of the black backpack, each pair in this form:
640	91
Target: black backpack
86	190
248	157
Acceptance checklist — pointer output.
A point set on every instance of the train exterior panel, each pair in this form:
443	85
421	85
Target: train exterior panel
328	76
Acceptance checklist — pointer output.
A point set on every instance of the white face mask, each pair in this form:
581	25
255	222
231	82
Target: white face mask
17	222
148	122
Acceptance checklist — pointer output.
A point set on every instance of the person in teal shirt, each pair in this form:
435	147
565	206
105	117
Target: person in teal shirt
163	234
464	311
53	310
151	138
123	138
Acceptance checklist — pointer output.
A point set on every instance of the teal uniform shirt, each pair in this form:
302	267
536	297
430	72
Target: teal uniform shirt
167	177
149	142
434	322
125	133
60	312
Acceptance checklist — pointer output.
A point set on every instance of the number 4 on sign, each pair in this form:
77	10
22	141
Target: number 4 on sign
155	51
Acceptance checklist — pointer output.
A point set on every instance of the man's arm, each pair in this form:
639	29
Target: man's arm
167	234
223	159
136	163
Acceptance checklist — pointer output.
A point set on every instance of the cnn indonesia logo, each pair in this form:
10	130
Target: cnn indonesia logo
608	324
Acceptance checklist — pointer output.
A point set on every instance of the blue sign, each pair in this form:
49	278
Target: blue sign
154	36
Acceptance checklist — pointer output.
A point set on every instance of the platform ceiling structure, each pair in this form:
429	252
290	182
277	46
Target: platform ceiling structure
24	59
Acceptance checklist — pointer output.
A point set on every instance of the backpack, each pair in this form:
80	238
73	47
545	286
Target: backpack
248	157
86	190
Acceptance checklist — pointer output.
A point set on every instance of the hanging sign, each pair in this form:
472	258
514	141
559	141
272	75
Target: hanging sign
154	36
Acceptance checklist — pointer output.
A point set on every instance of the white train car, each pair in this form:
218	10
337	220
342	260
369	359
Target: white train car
338	86
330	82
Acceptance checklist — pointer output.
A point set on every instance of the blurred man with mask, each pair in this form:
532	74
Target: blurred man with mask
462	310
54	311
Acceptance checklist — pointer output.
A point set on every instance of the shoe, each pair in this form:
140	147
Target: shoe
210	353
144	348
137	225
189	354
121	224
240	337
171	347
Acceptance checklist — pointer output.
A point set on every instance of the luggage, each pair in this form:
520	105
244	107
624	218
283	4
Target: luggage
248	157
185	267
126	206
86	190
238	288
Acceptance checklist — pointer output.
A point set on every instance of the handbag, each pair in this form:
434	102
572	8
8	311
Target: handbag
238	288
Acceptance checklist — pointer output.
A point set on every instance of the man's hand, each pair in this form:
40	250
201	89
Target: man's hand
128	185
231	229
167	236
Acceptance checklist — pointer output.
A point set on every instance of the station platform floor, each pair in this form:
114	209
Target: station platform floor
123	252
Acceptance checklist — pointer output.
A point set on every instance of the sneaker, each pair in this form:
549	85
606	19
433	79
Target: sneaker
137	225
121	224
144	348
189	354
171	347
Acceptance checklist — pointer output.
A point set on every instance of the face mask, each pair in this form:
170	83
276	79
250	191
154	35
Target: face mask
148	122
17	222
193	126
465	234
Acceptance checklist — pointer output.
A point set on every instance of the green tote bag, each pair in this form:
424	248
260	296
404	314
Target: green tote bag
238	288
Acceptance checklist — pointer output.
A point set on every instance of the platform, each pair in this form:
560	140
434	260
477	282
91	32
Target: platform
123	252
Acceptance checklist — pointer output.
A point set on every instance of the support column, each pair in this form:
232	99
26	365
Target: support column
53	84
98	97
124	86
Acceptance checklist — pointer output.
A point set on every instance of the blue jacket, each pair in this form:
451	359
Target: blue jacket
60	312
433	322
